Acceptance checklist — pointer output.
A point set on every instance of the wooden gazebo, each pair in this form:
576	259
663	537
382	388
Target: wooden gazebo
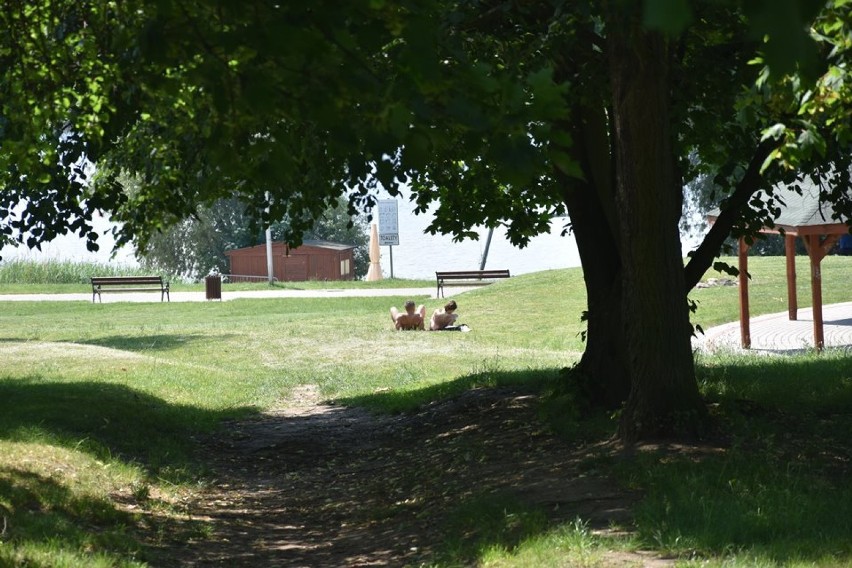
802	216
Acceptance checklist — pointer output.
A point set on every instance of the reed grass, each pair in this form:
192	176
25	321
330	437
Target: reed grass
22	276
20	271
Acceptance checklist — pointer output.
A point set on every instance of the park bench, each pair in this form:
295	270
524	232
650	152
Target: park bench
102	284
467	277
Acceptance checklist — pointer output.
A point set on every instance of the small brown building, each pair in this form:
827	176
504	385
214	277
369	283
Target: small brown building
314	260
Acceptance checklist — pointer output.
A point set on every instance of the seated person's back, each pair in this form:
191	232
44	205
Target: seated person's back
442	318
411	319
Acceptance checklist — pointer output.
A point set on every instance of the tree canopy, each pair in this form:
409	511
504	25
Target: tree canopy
501	112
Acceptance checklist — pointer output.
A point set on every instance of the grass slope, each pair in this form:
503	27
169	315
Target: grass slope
100	406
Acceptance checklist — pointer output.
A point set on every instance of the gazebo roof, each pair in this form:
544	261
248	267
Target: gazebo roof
805	210
801	213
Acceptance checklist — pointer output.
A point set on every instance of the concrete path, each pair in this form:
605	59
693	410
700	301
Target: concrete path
199	296
775	333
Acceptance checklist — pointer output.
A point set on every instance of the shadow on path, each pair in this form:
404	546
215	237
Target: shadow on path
320	485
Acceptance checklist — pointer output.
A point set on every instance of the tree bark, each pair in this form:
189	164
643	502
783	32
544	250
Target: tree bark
603	369
664	399
602	372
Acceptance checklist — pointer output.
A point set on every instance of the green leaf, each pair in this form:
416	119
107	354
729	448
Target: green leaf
783	25
548	97
566	164
775	131
668	16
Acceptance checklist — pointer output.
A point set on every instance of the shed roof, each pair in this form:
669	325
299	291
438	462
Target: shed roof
327	244
310	243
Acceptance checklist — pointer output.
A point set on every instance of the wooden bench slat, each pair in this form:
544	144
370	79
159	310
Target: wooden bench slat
443	276
148	289
127	279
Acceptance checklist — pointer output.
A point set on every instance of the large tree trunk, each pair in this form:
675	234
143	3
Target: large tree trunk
602	372
664	398
603	369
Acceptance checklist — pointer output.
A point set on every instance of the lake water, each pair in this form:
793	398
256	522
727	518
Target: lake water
418	255
73	248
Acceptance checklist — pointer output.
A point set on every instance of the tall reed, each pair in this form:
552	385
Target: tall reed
19	271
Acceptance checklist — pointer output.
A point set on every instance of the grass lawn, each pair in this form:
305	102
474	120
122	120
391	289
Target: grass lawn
101	405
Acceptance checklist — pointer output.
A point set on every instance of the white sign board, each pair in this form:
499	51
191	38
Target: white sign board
388	222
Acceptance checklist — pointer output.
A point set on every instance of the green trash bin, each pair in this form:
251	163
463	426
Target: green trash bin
213	287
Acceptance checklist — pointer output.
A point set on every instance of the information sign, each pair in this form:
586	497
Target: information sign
388	222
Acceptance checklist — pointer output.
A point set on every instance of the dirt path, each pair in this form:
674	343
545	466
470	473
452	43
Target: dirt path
318	485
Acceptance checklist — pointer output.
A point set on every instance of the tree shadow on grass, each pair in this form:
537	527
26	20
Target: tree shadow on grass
398	400
52	513
779	492
107	421
155	342
36	508
44	520
807	383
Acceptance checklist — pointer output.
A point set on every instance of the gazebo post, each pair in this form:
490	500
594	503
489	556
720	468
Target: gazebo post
745	327
792	301
816	252
801	213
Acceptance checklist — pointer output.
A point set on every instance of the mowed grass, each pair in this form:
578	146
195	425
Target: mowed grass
100	406
768	288
100	403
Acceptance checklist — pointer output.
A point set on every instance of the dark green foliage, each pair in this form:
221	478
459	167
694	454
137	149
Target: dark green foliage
195	246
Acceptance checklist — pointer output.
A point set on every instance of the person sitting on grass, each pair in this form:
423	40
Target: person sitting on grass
443	318
411	319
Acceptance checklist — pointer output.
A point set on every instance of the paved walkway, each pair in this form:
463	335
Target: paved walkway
199	296
775	333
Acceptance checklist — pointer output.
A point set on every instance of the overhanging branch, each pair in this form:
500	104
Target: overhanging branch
750	183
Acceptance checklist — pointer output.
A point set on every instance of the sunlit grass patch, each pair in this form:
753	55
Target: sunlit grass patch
501	531
63	507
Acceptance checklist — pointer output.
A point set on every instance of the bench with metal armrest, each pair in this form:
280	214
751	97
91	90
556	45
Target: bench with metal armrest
101	284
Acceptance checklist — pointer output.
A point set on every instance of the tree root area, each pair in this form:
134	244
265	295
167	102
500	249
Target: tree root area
321	485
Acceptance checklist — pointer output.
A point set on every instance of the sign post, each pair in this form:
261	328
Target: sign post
389	226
